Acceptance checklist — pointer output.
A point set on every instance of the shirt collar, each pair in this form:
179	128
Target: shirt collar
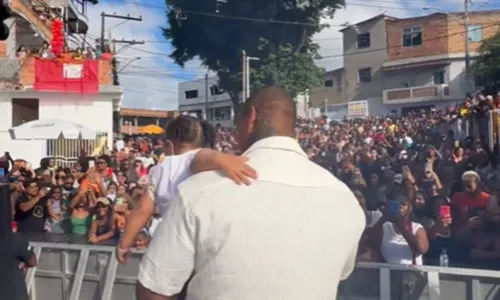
283	143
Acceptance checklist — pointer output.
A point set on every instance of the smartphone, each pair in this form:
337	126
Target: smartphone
393	206
444	211
47	189
91	164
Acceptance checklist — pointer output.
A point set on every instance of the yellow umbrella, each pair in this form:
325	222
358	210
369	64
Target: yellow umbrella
151	129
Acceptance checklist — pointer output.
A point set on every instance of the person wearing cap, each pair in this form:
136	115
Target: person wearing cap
470	205
102	227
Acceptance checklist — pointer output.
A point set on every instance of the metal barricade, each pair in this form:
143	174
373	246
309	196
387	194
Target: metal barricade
66	152
402	282
81	272
89	272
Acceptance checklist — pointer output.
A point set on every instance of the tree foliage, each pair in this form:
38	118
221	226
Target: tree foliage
294	71
486	67
217	34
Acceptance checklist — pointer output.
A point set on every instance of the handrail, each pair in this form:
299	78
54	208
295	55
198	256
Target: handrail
26	11
78	264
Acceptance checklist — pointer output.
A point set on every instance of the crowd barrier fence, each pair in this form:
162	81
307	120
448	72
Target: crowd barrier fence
485	125
88	272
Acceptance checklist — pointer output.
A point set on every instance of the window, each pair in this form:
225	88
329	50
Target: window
412	37
191	94
214	90
329	83
363	40
438	77
365	75
24	110
475	33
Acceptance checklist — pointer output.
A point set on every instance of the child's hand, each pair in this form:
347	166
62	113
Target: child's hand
235	168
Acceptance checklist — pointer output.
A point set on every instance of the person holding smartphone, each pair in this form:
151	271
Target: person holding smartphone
400	240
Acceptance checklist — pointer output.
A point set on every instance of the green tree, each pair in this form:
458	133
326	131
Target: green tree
278	32
486	67
294	71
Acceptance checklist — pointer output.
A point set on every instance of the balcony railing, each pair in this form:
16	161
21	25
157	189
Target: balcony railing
27	72
24	9
416	94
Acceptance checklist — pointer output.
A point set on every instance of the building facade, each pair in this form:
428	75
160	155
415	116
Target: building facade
215	106
365	51
21	100
400	65
426	57
131	119
332	92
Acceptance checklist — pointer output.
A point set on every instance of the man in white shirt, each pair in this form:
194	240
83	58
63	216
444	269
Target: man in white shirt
292	234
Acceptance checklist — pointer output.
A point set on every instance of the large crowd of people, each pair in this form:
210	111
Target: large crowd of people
425	191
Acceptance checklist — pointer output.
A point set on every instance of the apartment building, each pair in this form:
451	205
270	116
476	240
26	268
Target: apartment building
332	92
216	106
426	57
364	47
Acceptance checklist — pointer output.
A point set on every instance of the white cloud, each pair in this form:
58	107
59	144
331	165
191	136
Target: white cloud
151	81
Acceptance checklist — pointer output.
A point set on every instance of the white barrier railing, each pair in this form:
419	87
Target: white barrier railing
81	272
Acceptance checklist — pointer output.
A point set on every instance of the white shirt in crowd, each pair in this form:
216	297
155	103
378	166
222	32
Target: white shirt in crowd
166	177
292	234
395	249
120	144
372	217
147	161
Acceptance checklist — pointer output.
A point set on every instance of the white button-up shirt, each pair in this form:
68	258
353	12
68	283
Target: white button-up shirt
291	234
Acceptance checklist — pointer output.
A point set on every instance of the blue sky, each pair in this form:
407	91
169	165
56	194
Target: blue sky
150	78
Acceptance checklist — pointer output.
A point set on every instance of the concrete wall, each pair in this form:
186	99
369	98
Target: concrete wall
371	57
94	112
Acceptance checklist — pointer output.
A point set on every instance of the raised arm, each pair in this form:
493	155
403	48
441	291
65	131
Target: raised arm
234	167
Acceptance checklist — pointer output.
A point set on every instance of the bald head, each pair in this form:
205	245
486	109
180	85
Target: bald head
269	111
275	107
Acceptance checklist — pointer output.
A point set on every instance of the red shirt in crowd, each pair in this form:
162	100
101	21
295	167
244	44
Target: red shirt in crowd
464	201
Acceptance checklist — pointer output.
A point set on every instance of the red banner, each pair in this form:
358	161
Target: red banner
79	76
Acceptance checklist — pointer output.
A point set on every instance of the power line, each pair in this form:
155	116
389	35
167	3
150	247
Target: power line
360	52
400	46
241	18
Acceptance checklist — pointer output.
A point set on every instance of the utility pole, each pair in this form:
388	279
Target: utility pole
244	76
114	16
114	61
467	48
206	97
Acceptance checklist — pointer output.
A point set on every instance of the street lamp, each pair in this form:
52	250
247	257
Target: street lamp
465	23
246	74
127	64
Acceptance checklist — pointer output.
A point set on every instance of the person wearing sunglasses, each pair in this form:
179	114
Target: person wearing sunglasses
102	227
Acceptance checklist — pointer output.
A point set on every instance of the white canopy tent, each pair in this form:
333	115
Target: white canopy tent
51	129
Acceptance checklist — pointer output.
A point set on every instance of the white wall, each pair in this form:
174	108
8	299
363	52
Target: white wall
94	112
199	84
457	82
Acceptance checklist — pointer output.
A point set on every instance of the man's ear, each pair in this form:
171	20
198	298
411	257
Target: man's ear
252	118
